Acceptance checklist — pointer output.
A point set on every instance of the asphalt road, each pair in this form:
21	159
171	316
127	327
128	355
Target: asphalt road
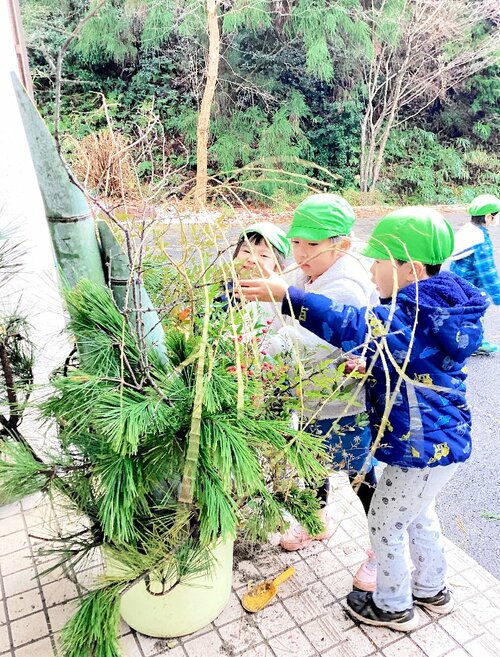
475	489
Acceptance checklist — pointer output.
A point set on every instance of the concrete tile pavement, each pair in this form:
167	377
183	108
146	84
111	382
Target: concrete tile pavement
307	619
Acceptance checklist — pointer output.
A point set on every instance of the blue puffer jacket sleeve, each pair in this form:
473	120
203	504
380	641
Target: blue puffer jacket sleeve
342	326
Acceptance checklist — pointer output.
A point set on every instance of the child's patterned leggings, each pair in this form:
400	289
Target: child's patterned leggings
404	508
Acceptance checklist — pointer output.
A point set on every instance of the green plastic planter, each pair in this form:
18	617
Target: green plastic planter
187	607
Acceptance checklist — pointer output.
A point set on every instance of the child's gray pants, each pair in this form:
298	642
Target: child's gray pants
404	504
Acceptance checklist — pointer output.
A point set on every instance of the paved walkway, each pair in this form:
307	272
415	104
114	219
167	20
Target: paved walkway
307	619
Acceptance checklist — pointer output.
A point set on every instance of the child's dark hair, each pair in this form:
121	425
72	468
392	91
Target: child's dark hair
257	239
430	270
480	220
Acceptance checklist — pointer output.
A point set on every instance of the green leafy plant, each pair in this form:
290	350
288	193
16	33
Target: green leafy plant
163	460
420	168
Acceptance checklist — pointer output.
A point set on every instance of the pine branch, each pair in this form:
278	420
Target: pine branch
10	388
92	631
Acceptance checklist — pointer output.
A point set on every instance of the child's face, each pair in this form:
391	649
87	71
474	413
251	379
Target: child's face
256	258
385	272
314	258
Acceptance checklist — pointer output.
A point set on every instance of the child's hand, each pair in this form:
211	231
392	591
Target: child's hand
264	289
355	365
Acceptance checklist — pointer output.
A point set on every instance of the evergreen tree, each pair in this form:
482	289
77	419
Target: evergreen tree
296	82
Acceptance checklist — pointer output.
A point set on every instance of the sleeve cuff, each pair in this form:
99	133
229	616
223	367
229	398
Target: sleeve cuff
293	301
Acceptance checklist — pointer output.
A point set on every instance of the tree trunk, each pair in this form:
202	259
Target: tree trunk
395	106
206	104
381	152
363	176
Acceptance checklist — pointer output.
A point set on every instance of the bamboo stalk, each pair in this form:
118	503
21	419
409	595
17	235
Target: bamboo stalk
70	222
193	449
120	277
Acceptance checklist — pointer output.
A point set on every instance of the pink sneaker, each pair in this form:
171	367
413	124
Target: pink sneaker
365	578
297	538
326	515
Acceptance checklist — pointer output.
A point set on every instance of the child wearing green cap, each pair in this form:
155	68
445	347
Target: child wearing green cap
262	247
320	236
417	342
472	256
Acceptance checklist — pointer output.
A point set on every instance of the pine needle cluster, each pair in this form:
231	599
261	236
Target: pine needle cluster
164	460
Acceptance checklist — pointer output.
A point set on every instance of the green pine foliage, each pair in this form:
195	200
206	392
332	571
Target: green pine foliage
20	473
92	632
127	427
247	14
107	37
321	23
17	356
158	25
237	138
17	351
299	504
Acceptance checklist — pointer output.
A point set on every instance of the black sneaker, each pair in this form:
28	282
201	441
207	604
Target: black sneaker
361	606
441	603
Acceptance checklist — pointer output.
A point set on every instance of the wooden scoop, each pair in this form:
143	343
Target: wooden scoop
260	595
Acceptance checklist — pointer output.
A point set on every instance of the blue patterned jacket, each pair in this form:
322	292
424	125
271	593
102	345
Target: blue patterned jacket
429	423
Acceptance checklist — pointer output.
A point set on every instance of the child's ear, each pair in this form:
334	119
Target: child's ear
346	243
420	270
414	271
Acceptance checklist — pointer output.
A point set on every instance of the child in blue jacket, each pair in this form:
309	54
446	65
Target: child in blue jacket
472	256
418	343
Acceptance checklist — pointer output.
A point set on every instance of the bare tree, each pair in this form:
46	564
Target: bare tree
420	49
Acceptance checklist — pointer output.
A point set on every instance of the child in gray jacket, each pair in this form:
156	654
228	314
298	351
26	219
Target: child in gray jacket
321	243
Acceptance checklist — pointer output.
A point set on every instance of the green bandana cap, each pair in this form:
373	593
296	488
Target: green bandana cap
414	233
484	204
321	216
274	235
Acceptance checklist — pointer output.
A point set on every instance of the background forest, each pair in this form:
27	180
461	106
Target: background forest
393	100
